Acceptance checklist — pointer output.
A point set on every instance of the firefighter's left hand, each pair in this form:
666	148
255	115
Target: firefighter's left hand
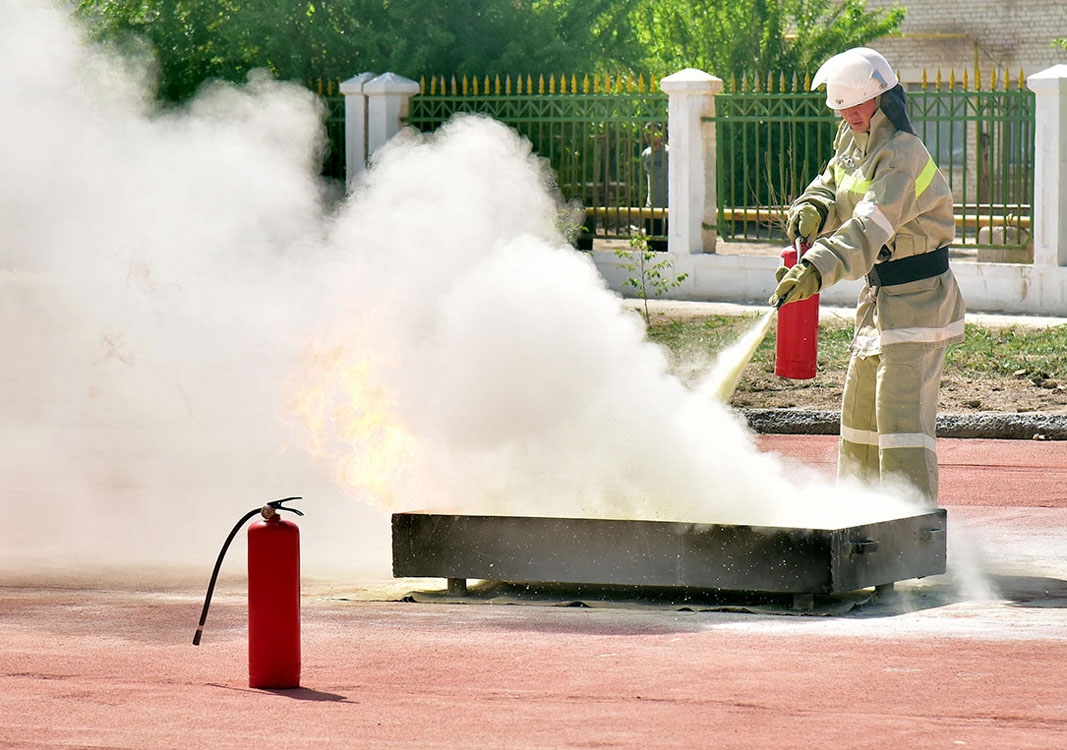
799	283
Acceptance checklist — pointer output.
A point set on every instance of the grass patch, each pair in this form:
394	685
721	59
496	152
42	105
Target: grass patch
696	339
986	352
1010	352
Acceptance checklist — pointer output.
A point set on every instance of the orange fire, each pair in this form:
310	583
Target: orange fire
350	421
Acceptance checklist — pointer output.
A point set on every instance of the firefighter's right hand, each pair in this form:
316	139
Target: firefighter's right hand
804	222
797	283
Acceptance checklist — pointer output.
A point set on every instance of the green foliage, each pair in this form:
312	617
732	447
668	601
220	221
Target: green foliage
733	37
648	276
194	40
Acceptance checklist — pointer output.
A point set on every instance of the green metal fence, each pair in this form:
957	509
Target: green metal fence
333	157
774	136
592	130
333	160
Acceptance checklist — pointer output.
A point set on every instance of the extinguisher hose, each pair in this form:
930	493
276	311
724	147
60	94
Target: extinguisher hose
267	511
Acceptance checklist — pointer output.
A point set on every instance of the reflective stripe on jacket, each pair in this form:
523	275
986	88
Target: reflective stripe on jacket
883	198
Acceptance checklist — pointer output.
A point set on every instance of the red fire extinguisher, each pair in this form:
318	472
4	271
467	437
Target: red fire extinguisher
273	596
798	329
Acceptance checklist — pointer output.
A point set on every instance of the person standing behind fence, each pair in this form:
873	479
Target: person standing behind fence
883	210
654	161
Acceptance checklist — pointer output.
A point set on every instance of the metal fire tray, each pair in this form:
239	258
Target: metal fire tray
666	553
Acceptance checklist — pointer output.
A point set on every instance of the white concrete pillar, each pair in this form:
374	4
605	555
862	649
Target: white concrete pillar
1050	166
355	124
692	213
387	104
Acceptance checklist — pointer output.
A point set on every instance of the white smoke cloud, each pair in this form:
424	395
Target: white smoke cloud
173	287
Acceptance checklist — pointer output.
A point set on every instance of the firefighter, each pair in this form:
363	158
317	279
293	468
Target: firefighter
881	211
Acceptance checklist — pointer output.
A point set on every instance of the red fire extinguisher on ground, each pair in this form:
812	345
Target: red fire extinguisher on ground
797	338
273	596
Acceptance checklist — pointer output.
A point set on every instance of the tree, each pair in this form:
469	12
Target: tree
194	40
733	37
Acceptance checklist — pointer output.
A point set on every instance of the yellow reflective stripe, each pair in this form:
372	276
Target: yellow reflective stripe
853	183
925	178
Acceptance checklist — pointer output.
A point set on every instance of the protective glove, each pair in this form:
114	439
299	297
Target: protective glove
804	222
797	283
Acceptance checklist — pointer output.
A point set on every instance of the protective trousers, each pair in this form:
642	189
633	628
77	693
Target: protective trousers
889	418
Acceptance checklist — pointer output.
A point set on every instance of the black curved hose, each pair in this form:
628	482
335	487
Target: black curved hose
274	505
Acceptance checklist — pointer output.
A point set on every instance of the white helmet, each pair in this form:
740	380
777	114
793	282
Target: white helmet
853	77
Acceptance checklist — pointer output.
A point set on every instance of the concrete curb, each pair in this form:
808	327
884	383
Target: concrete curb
988	425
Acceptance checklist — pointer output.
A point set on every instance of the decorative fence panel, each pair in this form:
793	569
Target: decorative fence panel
593	132
774	136
333	158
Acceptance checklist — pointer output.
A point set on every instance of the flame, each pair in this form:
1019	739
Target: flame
350	421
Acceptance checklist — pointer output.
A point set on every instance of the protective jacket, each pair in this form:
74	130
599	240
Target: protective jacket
889	210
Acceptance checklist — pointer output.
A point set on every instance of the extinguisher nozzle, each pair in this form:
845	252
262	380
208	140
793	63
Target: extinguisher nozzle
196	637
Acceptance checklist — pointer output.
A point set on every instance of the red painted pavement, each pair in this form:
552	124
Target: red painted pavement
115	669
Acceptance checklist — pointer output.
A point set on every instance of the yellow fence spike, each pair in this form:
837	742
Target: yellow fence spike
993	80
585	84
807	81
965	88
924	79
474	85
563	84
529	84
496	87
977	79
641	83
541	84
952	79
652	82
938	79
1021	79
422	84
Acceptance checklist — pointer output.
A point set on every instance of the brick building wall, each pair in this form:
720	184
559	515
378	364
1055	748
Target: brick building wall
958	34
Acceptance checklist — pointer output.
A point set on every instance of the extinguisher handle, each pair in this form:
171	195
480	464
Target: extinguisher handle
277	504
274	506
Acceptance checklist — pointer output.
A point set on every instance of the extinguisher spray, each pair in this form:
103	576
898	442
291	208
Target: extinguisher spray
798	328
273	596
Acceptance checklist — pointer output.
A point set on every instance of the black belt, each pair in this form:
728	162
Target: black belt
916	267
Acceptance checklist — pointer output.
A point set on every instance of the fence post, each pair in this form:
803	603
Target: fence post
1050	166
387	105
355	125
691	201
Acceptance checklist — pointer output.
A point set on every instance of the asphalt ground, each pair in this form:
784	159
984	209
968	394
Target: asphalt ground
974	658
